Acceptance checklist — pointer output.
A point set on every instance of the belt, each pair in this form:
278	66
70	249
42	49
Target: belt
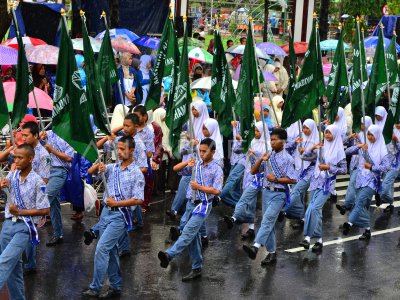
198	201
17	221
276	190
113	208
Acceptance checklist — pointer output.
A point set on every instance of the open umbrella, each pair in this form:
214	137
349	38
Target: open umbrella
77	44
26	40
42	54
371	42
8	56
239	49
119	33
43	99
200	55
205	83
265	101
148	42
122	45
299	47
267	75
271	48
331	45
326	68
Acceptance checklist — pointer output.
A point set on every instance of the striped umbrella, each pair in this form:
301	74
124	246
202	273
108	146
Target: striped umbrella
26	40
8	56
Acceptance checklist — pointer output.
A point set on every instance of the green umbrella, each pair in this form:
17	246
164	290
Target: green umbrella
199	54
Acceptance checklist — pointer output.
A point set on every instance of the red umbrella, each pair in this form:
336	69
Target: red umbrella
43	99
299	47
123	45
26	40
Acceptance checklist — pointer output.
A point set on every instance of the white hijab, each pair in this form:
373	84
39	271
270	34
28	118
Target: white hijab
341	123
308	143
333	151
377	150
278	111
198	122
258	145
368	122
381	111
293	131
215	134
159	117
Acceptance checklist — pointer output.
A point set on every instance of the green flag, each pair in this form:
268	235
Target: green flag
247	87
93	91
24	84
391	61
309	86
292	60
166	64
4	116
107	67
377	80
338	84
359	78
178	108
71	108
222	92
393	116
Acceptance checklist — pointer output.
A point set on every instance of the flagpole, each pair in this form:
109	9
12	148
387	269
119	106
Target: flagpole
103	15
362	78
386	69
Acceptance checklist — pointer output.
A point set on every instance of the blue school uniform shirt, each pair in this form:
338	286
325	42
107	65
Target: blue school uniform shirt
41	163
62	146
319	182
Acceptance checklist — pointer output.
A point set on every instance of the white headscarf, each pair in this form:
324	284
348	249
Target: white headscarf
377	150
341	123
144	60
293	131
381	111
308	142
159	117
278	111
258	145
368	122
333	151
198	122
215	134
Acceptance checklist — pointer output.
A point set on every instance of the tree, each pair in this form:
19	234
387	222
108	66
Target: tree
266	12
5	18
323	19
370	8
394	7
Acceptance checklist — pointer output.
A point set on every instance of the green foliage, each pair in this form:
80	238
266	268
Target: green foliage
394	7
370	8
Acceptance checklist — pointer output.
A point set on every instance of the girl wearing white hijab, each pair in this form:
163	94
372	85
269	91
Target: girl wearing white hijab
351	189
145	75
304	158
199	114
276	115
374	161
211	130
380	116
340	122
333	162
293	132
245	209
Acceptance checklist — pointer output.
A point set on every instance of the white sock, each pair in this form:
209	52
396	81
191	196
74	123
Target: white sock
320	240
351	224
234	219
257	245
307	238
368	228
272	252
251	226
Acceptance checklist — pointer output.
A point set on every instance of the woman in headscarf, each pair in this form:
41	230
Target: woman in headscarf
341	123
145	75
80	62
199	114
276	114
380	116
211	130
305	159
267	117
40	79
7	73
332	162
129	82
374	161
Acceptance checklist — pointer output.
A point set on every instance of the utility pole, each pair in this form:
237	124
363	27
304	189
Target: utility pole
265	29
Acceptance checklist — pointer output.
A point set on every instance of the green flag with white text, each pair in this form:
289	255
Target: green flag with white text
393	116
71	109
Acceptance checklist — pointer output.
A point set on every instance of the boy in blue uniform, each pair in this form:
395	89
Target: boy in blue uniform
125	185
208	183
275	193
26	203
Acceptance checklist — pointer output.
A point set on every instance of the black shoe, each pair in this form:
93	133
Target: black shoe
194	274
171	214
216	200
249	235
366	236
89	293
378	199
28	272
174	233
229	221
125	253
89	237
346	228
55	240
305	244
389	209
269	260
298	225
317	248
281	216
333	198
110	293
251	251
341	209
204	241
164	259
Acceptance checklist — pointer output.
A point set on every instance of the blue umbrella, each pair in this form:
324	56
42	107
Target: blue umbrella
119	32
331	45
148	42
271	48
372	42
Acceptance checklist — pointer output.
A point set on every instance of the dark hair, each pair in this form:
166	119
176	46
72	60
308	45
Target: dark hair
200	38
242	39
133	118
228	41
28	148
280	132
196	35
209	142
140	109
127	140
32	126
